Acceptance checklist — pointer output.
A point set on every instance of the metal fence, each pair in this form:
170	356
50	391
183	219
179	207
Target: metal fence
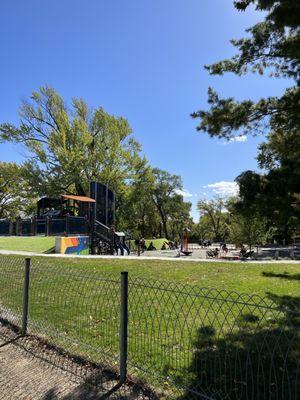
185	341
45	226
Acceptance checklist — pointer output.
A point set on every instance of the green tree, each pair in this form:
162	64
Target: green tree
14	199
204	228
273	47
214	218
250	230
179	217
267	195
138	212
169	204
71	147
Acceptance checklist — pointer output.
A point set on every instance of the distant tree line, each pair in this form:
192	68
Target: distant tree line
221	221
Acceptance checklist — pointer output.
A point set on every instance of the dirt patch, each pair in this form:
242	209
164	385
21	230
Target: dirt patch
31	370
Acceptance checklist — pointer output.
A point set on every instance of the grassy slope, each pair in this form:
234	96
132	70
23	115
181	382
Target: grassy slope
41	244
35	244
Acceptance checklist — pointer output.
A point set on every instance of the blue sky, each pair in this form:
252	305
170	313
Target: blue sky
140	59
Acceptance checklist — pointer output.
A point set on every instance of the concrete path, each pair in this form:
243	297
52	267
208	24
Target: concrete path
168	256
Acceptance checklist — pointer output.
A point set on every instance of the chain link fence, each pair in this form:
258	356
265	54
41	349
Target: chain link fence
183	341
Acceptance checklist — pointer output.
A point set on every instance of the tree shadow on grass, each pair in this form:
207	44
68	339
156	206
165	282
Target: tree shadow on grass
285	275
258	359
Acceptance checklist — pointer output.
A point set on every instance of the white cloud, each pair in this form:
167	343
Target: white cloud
224	188
239	139
183	192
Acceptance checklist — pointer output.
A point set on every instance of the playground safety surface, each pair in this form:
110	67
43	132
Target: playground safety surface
198	256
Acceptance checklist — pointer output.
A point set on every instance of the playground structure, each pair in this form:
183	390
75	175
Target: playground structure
71	216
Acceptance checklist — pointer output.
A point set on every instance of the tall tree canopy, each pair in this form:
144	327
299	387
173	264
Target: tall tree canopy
70	147
138	213
169	204
273	47
268	197
213	218
14	199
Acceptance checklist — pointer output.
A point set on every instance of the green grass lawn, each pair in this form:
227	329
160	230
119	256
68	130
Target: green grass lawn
175	327
36	244
241	277
41	244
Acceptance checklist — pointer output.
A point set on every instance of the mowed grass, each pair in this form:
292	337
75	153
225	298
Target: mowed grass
250	278
76	304
34	244
41	244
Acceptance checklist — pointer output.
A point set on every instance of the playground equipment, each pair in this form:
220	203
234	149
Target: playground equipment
185	243
70	215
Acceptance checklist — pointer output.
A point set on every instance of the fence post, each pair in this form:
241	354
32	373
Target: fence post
47	226
11	228
26	296
124	327
33	226
67	224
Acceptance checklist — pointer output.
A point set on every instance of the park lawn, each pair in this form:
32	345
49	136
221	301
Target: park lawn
36	244
250	278
75	303
41	244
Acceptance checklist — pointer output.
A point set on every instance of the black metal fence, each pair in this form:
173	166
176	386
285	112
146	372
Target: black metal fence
45	226
185	341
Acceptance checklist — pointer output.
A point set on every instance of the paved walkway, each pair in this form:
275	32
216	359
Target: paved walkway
167	256
31	371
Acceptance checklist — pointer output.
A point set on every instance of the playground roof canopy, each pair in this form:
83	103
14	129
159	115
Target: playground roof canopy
83	199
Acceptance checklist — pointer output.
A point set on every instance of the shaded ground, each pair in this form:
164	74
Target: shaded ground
31	371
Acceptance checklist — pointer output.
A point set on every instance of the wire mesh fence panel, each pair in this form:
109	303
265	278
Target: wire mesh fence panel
77	225
188	342
11	289
201	343
4	227
57	226
77	311
26	227
40	226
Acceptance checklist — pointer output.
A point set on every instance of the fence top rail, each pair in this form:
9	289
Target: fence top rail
213	293
41	219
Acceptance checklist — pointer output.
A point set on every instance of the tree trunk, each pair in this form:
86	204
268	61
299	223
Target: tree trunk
165	228
163	219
